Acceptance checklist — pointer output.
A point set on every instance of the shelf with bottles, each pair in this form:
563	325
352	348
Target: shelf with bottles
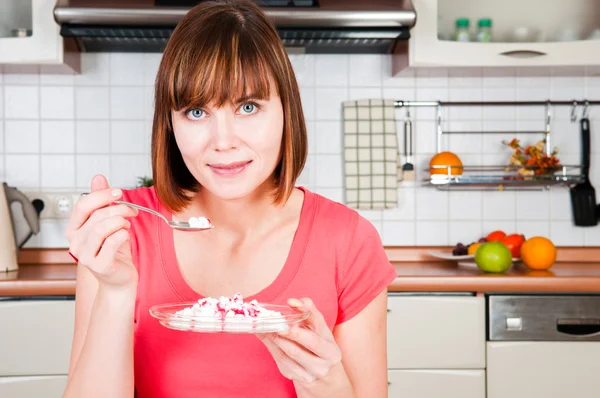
453	33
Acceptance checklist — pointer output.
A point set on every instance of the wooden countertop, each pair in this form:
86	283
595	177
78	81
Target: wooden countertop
413	276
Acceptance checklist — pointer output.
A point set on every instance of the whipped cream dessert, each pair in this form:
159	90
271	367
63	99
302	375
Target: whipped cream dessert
232	314
199	222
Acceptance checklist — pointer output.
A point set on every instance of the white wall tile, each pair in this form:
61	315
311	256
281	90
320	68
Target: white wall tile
406	208
87	166
57	102
128	137
432	233
95	70
307	177
406	77
331	70
21	74
23	171
465	205
21	102
126	169
122	72
432	204
359	93
58	171
304	68
22	136
328	137
92	103
57	136
533	205
52	233
499	205
329	103
431	77
127	103
564	233
151	62
365	70
92	136
465	232
592	236
398	233
328	171
307	96
532	228
49	76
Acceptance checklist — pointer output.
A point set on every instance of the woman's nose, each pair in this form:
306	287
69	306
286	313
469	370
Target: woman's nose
224	135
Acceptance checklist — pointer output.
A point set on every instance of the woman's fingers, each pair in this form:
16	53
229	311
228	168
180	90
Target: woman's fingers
287	366
87	205
94	239
312	342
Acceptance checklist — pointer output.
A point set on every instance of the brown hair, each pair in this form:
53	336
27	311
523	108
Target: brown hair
219	52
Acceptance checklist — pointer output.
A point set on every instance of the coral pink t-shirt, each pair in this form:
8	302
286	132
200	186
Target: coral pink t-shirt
336	259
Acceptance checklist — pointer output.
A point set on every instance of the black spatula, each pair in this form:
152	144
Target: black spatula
583	195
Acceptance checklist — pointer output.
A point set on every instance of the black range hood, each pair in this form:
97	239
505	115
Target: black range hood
308	26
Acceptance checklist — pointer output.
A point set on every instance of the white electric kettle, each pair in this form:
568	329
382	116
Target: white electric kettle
8	238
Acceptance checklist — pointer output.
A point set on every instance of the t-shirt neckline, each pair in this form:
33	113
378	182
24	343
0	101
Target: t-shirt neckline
267	294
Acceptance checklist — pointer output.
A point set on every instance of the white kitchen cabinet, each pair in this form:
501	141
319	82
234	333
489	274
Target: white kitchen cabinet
551	23
44	45
436	332
543	369
35	337
433	383
33	386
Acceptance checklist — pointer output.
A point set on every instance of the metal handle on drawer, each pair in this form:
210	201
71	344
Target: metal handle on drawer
523	53
578	327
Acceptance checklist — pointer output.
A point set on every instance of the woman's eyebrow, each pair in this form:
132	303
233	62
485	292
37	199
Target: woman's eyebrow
245	98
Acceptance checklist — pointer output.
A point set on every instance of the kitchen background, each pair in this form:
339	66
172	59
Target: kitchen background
57	131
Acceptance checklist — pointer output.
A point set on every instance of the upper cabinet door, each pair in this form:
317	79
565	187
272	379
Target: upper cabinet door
30	35
524	33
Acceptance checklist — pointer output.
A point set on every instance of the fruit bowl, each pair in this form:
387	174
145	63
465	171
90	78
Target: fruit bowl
465	260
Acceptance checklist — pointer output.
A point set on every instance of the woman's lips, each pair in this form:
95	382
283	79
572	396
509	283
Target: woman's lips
229	169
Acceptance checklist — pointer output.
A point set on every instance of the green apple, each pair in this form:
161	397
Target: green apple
493	257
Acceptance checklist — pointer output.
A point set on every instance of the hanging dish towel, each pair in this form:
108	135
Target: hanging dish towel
371	158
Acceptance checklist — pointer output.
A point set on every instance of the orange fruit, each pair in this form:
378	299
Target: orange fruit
445	159
473	248
538	253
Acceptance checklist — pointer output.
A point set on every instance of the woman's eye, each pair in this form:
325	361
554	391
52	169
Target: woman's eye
249	108
195	114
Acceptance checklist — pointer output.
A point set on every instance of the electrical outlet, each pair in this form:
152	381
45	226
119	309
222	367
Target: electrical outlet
57	205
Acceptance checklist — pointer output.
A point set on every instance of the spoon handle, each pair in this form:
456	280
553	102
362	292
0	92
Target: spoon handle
142	208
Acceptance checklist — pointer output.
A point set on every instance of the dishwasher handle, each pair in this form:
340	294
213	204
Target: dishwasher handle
578	326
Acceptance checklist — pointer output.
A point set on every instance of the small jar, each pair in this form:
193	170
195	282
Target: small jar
484	31
462	32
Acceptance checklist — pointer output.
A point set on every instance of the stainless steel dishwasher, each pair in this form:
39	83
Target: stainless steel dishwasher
543	346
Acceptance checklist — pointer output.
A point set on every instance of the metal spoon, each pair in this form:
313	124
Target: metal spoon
180	225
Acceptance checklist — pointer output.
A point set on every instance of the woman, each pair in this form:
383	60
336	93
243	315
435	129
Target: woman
228	142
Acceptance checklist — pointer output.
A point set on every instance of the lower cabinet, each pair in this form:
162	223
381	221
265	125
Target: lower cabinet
543	369
35	349
429	383
33	386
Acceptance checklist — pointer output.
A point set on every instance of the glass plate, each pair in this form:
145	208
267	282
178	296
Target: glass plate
166	315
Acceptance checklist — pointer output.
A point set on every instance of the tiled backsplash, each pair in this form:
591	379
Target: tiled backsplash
59	130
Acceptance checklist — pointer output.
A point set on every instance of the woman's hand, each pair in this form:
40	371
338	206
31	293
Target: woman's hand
98	236
306	353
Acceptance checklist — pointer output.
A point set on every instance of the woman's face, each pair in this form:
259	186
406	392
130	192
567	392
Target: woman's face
231	150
